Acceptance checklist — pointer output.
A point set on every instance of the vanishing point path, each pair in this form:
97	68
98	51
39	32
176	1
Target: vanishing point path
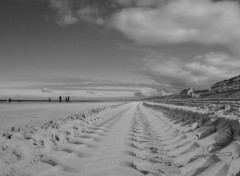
123	144
109	157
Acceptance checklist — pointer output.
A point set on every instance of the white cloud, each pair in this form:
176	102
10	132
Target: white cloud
205	22
214	65
149	92
204	70
46	90
221	60
164	93
178	21
75	87
157	22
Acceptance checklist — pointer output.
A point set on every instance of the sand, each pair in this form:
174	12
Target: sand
124	139
210	148
16	114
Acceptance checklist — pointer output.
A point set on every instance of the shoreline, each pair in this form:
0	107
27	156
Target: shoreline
16	114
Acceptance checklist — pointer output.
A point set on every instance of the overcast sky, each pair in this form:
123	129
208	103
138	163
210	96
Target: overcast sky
116	48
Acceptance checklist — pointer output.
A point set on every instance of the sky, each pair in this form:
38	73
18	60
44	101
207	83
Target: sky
116	48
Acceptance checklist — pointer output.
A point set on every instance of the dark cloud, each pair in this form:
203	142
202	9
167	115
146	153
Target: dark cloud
70	12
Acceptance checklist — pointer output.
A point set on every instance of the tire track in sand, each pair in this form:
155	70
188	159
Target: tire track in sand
146	147
64	160
100	151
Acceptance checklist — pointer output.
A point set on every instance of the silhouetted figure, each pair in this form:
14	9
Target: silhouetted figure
68	99
9	100
49	100
60	99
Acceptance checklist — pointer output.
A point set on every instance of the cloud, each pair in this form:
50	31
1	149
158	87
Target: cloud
164	93
67	20
69	12
221	60
46	90
56	86
147	93
75	83
124	2
90	92
139	3
179	21
65	14
90	14
174	73
158	22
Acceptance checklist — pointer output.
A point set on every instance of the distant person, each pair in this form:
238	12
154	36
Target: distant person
68	99
9	100
60	99
49	100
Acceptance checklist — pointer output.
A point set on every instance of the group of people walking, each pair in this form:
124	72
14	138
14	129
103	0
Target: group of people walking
66	100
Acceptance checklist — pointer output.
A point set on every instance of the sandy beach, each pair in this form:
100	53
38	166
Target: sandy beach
123	139
22	113
120	88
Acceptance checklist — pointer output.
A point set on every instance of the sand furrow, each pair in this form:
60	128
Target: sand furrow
200	144
126	139
58	146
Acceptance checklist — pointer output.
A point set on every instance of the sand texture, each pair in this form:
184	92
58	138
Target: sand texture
124	139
